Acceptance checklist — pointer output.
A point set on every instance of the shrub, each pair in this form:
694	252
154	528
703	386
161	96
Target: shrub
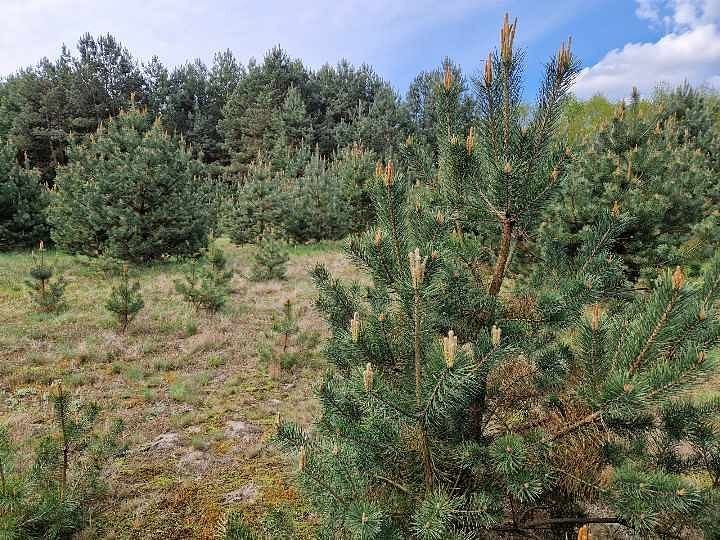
130	191
269	260
125	300
46	293
23	199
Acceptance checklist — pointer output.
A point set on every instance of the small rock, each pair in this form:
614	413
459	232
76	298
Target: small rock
246	494
195	462
164	441
253	451
242	430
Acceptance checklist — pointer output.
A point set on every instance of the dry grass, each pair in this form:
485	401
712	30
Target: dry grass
175	372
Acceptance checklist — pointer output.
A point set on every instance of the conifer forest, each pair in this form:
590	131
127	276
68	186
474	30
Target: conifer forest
261	300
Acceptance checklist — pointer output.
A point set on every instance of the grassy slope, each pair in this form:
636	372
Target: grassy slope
176	371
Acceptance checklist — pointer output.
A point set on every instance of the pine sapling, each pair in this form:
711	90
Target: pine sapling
47	293
270	260
51	498
125	300
206	283
284	328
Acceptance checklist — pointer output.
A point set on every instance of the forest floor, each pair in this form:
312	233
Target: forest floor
197	402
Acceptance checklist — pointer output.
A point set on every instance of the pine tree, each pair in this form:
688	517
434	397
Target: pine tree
125	300
647	162
317	207
52	498
291	121
352	167
130	191
270	259
284	328
463	404
47	293
206	282
255	205
23	200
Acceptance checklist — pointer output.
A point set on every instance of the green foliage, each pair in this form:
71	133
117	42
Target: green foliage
44	104
317	206
255	206
189	100
287	345
277	525
354	168
206	283
22	203
463	404
269	260
52	498
46	293
653	165
130	192
125	300
233	528
309	200
581	120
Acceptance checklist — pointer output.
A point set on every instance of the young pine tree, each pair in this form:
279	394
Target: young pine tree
23	199
129	191
650	163
255	205
270	259
463	404
281	354
47	293
52	499
206	283
125	300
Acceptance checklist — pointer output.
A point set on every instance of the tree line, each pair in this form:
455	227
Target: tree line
273	148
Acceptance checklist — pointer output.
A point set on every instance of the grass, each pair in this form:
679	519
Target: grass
175	370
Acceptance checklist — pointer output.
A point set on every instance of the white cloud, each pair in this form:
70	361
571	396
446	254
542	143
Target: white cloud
689	52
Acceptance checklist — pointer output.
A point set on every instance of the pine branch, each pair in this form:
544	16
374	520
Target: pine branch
502	259
638	361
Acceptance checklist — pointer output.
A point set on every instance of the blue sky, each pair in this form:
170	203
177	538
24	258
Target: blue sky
621	42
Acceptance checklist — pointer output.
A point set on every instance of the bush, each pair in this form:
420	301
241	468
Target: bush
23	200
52	499
270	259
131	192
